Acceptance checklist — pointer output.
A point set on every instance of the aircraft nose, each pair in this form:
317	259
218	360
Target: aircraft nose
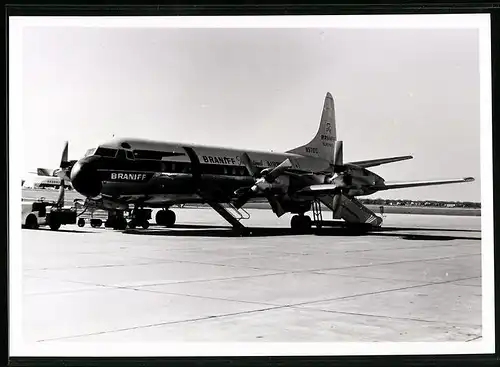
85	178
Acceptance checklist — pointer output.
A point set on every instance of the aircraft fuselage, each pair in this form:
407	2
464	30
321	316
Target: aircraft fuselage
126	169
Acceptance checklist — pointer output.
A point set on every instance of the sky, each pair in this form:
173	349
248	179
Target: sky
396	92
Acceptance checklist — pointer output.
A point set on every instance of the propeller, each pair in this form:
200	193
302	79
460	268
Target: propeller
342	179
263	183
63	172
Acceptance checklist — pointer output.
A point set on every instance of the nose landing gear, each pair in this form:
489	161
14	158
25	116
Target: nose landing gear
140	217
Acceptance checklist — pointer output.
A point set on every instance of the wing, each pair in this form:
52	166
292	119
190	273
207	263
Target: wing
402	185
378	162
325	189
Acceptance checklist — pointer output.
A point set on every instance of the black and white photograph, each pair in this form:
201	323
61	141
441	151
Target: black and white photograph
289	185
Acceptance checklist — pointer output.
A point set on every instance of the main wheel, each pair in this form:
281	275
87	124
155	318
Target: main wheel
161	217
81	222
165	218
301	223
170	218
145	224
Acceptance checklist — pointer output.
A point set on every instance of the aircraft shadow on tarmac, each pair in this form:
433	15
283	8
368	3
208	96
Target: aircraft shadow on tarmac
219	231
64	230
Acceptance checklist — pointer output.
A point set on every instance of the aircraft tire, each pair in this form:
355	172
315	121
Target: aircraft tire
132	224
301	224
145	225
31	222
120	224
170	218
81	222
161	217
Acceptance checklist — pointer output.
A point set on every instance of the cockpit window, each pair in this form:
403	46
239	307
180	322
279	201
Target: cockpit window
129	155
106	152
89	152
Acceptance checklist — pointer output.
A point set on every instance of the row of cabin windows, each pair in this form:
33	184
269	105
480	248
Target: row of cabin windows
214	169
176	167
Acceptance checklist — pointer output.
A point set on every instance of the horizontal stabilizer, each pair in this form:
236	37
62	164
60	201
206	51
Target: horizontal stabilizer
45	171
378	162
402	185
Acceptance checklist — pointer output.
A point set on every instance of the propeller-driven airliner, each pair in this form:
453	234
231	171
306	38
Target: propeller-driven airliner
131	175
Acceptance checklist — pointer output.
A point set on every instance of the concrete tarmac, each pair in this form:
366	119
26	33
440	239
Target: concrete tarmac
418	279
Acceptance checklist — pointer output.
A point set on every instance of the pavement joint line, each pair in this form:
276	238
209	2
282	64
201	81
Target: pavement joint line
410	248
379	292
389	263
301	307
161	324
400	280
207	297
389	317
157	284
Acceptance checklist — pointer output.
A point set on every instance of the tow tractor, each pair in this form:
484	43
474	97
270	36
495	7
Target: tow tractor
51	213
46	213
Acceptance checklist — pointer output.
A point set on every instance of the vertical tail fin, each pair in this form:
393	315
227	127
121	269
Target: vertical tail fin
323	144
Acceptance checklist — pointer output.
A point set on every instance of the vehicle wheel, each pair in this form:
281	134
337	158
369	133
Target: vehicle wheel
81	222
145	225
132	224
95	223
31	222
54	226
169	218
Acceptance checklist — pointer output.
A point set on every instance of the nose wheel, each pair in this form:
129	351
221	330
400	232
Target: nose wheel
140	217
301	223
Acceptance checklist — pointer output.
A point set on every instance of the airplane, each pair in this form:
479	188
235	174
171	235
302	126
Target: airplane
43	177
130	174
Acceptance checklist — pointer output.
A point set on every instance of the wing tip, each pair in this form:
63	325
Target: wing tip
469	179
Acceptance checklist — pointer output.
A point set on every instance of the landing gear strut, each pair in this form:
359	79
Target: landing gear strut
165	218
301	223
116	220
140	217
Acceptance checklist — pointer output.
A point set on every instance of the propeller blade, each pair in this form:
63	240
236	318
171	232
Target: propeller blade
278	170
338	159
64	156
60	199
243	198
245	159
275	204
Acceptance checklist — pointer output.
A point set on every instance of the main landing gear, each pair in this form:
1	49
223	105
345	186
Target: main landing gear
140	217
116	220
165	218
301	223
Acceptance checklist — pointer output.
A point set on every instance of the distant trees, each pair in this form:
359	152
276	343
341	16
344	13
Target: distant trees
426	203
